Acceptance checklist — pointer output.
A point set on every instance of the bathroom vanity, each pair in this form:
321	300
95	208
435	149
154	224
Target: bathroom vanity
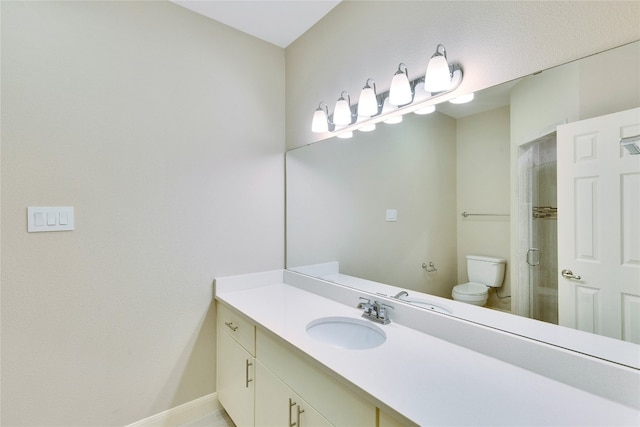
271	371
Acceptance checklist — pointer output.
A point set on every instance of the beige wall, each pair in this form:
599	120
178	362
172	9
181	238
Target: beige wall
494	41
483	187
150	121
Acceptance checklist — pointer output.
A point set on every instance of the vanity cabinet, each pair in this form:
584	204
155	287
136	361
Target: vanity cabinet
278	405
236	365
262	381
340	405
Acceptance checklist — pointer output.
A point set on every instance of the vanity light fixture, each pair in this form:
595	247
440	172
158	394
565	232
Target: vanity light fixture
342	115
388	108
368	102
400	92
404	96
438	76
345	135
364	124
320	121
463	99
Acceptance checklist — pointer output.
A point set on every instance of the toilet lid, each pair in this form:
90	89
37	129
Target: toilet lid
471	289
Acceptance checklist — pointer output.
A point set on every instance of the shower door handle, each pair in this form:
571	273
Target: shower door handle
568	274
528	257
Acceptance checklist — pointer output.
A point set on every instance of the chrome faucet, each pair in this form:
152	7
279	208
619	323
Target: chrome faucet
375	311
402	294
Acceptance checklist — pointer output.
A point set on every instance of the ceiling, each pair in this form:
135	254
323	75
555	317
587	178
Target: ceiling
278	22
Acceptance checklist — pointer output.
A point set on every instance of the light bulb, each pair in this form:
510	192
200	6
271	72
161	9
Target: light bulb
400	90
437	78
320	122
368	101
342	111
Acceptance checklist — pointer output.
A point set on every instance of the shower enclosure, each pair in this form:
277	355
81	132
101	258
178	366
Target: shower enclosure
538	271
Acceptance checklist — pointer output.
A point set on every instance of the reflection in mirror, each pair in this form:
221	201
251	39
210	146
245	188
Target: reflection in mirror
383	210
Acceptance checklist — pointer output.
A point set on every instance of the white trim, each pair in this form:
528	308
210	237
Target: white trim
182	414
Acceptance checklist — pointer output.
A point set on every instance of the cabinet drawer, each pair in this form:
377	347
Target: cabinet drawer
237	326
338	404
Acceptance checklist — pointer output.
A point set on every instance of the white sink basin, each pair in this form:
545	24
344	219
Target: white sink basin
346	332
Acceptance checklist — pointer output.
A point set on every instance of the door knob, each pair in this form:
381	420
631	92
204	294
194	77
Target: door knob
568	274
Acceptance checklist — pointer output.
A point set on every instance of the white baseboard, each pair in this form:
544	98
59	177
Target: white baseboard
182	414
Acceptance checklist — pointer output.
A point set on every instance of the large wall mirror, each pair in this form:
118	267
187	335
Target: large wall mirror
386	207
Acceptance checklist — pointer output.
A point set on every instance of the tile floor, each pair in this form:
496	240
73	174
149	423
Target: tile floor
216	419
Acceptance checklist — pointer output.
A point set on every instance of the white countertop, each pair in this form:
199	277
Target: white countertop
428	380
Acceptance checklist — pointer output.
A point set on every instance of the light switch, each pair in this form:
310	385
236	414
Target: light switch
64	218
38	219
49	218
392	215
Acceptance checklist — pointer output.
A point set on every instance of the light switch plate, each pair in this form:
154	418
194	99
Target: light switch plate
49	218
392	215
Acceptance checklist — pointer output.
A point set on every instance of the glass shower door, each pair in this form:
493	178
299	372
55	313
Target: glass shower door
541	222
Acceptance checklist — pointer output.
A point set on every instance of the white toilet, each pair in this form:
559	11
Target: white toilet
484	272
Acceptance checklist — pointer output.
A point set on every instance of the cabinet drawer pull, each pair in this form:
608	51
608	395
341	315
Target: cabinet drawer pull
291	405
300	411
247	373
230	326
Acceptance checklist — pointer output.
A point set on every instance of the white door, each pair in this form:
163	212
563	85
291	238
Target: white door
599	226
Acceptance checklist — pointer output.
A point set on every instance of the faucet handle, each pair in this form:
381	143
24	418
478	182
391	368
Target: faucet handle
366	305
382	312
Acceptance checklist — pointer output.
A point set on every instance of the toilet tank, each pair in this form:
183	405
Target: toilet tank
486	270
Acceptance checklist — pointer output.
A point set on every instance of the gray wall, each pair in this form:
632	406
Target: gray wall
338	193
148	119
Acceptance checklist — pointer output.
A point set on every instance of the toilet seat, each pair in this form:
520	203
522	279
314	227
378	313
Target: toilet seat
471	288
471	293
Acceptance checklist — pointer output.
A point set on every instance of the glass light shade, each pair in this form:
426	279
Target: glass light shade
367	128
419	93
342	113
463	99
345	135
368	103
393	120
400	90
320	121
388	108
438	76
426	110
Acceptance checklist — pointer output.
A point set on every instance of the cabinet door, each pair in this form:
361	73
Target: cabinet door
278	406
339	405
235	374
